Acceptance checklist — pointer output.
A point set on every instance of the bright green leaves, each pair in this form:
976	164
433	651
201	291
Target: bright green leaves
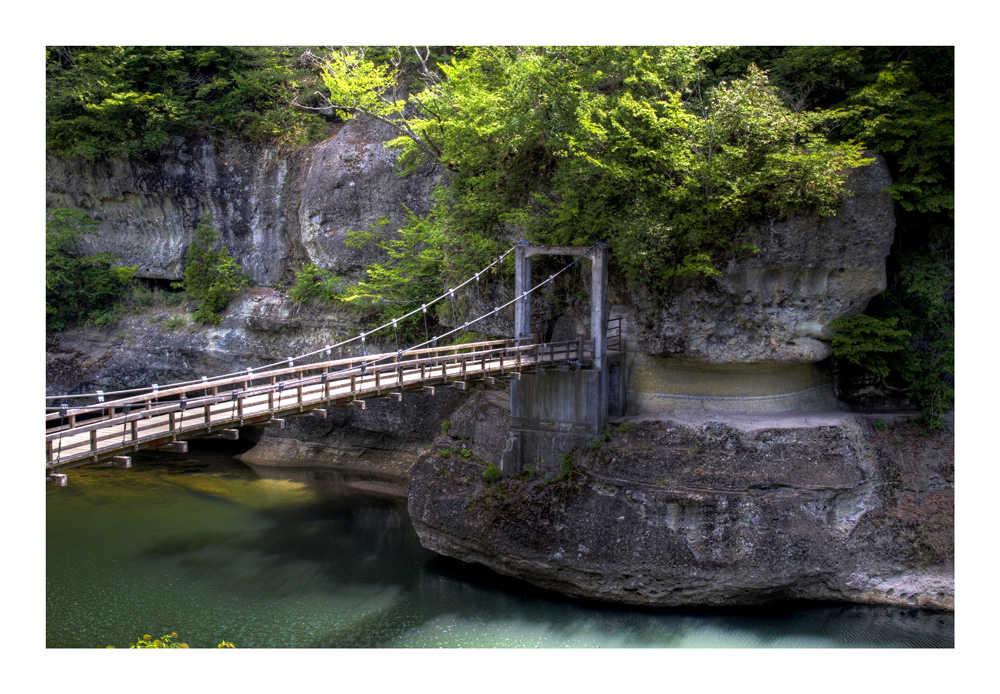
211	275
674	179
356	85
313	284
79	287
624	144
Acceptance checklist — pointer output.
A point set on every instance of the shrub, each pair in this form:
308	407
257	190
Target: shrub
165	641
80	288
314	284
866	341
211	275
492	475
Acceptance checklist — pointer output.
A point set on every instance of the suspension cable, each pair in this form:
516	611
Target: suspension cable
326	348
496	310
366	363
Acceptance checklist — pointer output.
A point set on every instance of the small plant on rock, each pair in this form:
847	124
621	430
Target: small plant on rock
492	474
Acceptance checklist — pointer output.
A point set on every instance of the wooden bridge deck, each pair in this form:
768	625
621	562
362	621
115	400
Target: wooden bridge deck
213	408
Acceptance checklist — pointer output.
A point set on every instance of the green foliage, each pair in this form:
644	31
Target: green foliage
174	322
165	641
604	438
921	298
568	465
571	145
79	287
492	475
421	262
916	128
210	275
445	427
867	341
126	100
530	471
313	284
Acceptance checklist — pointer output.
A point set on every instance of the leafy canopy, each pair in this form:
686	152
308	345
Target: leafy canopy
571	145
127	100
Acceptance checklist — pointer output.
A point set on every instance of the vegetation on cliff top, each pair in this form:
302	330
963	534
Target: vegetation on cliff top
637	146
118	100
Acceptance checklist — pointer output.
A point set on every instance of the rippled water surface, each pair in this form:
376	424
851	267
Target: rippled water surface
202	546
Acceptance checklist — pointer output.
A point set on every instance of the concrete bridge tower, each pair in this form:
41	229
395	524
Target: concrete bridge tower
552	413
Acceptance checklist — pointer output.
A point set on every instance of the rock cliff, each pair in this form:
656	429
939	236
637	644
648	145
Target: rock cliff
741	511
776	305
275	210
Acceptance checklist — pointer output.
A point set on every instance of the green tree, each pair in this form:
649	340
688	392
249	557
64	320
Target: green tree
127	100
79	287
580	144
211	275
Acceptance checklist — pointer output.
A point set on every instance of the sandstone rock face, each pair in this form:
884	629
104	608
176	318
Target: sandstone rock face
275	210
776	306
675	514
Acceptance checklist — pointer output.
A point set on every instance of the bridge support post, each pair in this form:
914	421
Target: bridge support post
522	283
551	414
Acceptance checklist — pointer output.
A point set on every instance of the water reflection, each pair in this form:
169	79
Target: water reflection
202	546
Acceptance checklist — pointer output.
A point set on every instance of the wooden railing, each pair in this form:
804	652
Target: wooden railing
163	418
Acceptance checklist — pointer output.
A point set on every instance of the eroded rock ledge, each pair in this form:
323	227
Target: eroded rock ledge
681	514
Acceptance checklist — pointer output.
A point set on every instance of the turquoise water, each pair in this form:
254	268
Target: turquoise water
201	546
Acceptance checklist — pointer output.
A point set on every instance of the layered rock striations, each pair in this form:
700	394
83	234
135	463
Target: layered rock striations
275	210
776	305
672	513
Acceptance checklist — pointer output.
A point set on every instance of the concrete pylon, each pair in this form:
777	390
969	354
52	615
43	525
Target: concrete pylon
552	413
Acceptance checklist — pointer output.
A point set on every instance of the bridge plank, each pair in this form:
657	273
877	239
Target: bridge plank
89	434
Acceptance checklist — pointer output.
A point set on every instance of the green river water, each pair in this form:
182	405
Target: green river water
201	546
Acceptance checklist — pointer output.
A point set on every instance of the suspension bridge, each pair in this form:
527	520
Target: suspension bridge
105	428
